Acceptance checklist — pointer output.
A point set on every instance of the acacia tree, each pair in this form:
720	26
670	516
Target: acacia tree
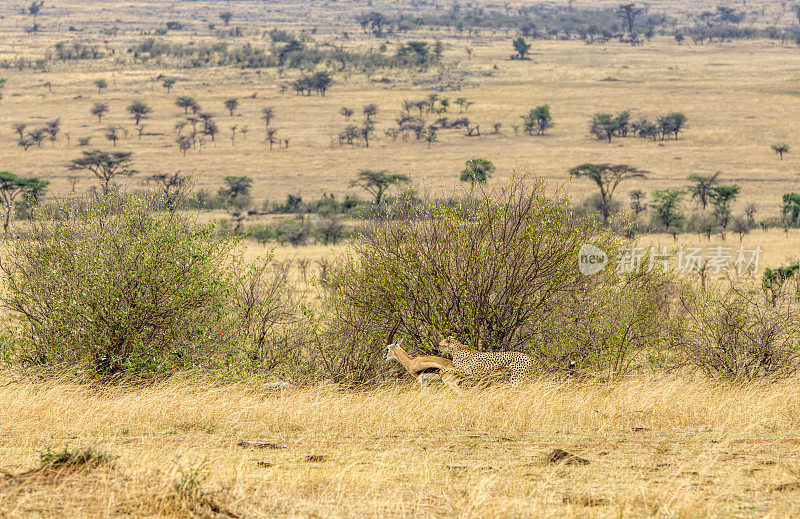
378	182
791	208
629	13
780	149
672	123
521	47
52	129
20	129
231	104
430	135
604	126
346	112
236	187
168	83
702	185
267	113
607	177
139	111
538	120
12	186
100	84
370	111
723	197
638	204
36	136
321	82
271	137
105	166
184	144
99	109
34	9
477	171
186	103
210	128
174	187
666	204
112	135
226	17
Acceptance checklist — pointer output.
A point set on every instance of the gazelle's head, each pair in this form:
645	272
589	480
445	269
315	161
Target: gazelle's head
390	350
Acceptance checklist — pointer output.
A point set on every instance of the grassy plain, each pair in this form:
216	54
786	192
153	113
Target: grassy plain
657	446
739	98
666	447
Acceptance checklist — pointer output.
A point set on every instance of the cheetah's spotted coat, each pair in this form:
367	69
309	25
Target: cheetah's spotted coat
478	364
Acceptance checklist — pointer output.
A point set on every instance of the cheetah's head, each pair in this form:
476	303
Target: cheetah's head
449	344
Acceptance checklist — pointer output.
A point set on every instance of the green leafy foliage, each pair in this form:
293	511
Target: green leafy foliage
113	289
477	171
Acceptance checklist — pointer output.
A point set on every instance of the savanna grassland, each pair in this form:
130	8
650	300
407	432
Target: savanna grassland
659	447
739	98
153	365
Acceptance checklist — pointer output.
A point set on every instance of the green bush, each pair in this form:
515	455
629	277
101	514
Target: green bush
495	272
113	288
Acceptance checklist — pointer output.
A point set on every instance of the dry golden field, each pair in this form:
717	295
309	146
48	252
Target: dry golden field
739	98
660	447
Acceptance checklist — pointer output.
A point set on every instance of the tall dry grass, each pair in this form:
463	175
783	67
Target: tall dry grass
669	447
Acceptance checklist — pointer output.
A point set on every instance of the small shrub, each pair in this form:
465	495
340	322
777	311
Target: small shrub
266	312
740	336
74	459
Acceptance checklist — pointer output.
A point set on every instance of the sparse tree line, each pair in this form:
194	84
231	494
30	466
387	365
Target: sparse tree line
288	51
424	118
666	213
628	23
605	126
666	210
198	127
534	21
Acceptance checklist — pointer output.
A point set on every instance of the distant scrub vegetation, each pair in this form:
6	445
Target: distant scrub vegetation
285	52
627	22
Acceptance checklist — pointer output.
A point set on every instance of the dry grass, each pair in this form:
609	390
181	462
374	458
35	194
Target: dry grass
668	447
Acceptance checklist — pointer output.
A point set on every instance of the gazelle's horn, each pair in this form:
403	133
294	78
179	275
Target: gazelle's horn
390	340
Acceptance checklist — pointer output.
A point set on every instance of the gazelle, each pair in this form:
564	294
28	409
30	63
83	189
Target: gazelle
424	367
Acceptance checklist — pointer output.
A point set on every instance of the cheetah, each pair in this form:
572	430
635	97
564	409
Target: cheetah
478	364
